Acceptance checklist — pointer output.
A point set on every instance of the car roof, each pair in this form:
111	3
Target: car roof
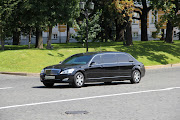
95	53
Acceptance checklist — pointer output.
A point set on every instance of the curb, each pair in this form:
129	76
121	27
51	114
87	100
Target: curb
37	74
21	74
162	66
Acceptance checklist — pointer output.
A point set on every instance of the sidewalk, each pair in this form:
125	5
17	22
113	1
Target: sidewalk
38	74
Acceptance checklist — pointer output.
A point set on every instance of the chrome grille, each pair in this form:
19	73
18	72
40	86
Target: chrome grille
52	71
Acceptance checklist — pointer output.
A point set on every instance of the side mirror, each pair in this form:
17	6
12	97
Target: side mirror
60	62
92	63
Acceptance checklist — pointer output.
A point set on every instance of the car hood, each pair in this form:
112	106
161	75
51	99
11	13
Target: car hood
62	66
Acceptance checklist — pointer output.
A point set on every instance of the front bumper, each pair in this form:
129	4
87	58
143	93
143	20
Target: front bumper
58	78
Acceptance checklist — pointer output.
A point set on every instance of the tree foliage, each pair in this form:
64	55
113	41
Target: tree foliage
171	16
93	28
25	16
125	9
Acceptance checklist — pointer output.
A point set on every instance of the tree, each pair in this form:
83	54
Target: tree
63	11
143	13
6	9
93	28
106	20
125	9
70	12
170	8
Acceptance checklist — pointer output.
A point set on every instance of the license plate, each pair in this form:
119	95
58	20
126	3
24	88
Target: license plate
49	77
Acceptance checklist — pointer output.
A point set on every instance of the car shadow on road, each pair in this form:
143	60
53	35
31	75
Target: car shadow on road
109	84
85	85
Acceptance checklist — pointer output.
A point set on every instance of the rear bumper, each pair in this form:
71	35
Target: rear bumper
58	79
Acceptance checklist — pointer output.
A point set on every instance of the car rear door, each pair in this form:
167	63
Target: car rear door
110	66
125	63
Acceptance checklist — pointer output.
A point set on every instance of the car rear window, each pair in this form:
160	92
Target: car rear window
109	58
123	58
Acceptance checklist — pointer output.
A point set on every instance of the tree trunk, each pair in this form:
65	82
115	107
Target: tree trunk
2	44
68	34
145	10
129	34
2	41
39	39
37	36
144	36
119	32
1	38
169	32
87	25
120	35
162	34
106	33
29	43
16	37
110	34
49	38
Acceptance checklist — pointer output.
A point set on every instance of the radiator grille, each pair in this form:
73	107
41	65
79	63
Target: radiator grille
52	71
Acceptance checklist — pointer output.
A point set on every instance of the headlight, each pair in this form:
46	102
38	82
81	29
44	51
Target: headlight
42	71
68	71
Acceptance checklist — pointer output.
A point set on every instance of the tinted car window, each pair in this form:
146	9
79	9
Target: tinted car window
123	58
78	59
109	58
97	59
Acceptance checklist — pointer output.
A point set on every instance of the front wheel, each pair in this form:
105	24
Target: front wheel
78	80
48	85
136	77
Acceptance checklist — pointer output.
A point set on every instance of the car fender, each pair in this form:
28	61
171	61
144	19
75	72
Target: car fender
137	67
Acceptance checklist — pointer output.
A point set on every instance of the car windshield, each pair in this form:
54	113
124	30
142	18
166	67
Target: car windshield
78	59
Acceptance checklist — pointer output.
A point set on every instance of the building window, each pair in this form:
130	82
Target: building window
54	36
135	34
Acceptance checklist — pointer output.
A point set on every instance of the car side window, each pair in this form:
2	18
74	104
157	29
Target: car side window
109	58
123	58
97	59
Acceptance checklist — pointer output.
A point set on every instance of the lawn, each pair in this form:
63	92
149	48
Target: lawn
21	59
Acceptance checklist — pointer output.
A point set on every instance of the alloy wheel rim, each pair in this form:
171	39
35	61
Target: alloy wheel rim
137	76
79	79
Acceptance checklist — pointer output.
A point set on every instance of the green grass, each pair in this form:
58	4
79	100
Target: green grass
21	59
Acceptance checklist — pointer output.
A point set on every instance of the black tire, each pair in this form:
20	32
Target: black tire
48	85
78	80
136	77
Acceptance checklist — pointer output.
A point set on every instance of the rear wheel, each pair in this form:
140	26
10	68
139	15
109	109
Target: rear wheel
78	80
48	85
136	77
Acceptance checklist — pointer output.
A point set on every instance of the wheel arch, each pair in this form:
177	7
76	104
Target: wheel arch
83	72
136	68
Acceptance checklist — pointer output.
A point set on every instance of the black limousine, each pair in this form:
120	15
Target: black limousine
94	67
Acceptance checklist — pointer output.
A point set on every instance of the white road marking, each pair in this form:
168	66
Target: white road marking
5	88
86	98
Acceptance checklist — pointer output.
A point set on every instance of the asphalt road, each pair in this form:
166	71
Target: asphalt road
157	97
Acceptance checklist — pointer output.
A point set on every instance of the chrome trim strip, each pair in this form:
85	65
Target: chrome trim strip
110	77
